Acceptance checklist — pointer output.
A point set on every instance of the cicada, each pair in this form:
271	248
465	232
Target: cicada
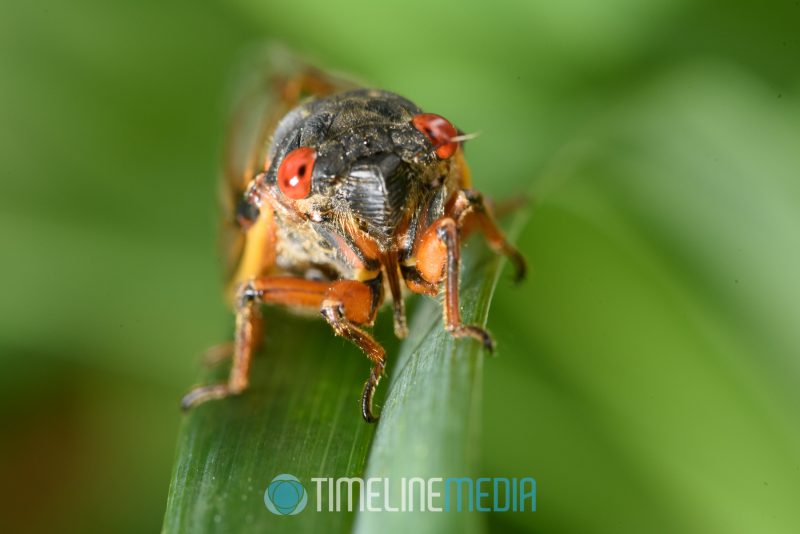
347	194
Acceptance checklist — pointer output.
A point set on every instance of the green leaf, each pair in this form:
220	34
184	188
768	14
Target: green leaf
655	363
301	417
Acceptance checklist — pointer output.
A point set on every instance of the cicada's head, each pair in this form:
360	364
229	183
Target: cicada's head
364	156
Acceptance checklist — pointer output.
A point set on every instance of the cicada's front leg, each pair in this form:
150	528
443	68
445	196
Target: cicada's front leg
249	297
345	304
437	251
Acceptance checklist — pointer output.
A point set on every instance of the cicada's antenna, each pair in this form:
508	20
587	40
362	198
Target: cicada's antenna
465	137
460	138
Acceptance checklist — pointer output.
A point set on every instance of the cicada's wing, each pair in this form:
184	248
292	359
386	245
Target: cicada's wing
272	82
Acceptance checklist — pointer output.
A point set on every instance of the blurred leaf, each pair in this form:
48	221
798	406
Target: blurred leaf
655	364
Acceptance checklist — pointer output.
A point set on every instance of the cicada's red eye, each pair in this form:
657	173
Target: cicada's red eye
439	131
294	174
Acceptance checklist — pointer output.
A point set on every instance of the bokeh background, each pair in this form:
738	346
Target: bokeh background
649	369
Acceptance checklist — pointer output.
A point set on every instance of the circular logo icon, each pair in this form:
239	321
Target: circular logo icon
285	495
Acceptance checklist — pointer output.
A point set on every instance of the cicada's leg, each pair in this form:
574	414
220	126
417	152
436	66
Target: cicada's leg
437	253
348	304
472	213
287	291
345	304
438	257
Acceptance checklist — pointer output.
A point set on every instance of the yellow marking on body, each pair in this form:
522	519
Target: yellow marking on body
465	178
258	253
364	275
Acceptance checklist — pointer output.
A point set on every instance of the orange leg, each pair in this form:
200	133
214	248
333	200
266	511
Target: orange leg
473	213
344	303
345	306
438	259
437	253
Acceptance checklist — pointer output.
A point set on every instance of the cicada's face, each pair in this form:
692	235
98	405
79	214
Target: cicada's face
365	156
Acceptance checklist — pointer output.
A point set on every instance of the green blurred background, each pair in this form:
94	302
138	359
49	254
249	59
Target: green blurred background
648	370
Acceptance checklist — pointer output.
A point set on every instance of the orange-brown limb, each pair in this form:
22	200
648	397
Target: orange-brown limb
446	230
438	257
471	212
437	253
344	304
335	311
248	321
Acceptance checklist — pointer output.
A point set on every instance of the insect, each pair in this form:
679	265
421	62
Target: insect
348	194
